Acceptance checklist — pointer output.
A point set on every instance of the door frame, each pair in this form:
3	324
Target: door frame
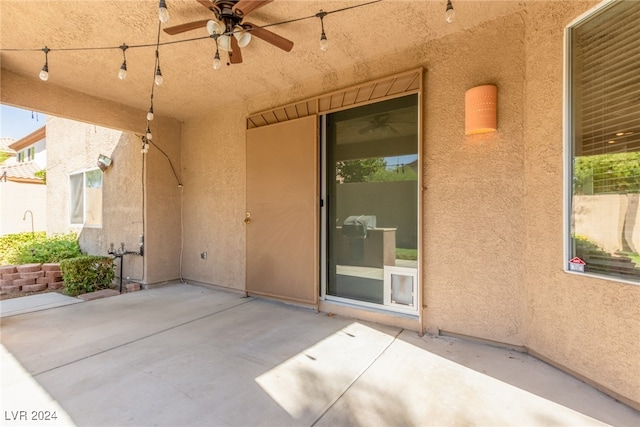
300	174
324	213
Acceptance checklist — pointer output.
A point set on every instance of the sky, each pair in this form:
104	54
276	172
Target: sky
17	123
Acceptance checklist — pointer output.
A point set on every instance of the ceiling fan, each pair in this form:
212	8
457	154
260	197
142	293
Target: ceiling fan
378	123
229	28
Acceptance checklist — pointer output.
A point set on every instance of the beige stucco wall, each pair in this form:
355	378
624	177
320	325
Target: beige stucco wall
493	204
122	199
75	146
15	199
214	171
588	325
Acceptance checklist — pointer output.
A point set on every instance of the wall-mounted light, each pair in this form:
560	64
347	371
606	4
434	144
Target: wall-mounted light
103	162
480	109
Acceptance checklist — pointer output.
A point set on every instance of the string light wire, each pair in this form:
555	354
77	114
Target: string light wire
170	42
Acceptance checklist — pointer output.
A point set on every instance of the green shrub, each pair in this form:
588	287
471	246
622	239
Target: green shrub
26	248
11	245
87	273
50	249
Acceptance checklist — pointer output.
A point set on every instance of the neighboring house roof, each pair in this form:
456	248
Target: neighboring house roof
5	144
32	138
20	172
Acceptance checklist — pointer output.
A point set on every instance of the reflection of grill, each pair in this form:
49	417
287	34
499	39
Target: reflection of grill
357	225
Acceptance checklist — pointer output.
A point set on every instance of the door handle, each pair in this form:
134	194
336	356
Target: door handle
247	218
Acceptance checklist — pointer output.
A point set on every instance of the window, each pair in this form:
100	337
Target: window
27	155
604	131
85	192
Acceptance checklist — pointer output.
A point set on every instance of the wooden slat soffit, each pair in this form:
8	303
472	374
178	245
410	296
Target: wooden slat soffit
385	88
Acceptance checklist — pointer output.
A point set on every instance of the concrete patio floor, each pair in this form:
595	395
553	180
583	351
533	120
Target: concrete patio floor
183	355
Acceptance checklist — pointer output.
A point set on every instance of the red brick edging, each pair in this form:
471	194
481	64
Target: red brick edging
30	277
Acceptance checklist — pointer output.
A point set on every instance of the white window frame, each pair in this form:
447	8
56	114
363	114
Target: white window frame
568	148
84	199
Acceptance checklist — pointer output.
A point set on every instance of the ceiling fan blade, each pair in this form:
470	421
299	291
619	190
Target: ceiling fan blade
235	55
208	5
245	7
177	29
368	128
391	129
269	37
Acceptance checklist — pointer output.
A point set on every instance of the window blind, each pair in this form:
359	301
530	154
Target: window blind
605	54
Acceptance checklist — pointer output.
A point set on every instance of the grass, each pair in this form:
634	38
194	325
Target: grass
408	254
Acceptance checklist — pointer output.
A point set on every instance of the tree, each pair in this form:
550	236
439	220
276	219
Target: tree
42	174
359	170
401	173
607	173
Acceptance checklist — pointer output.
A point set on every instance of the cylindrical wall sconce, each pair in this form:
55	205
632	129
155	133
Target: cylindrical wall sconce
480	109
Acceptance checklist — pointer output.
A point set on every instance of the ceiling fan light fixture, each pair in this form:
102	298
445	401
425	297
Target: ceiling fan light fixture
163	12
243	37
224	42
215	27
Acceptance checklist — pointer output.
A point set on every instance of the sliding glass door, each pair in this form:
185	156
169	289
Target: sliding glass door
371	212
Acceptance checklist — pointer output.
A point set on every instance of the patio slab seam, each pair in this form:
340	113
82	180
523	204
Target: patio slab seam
355	379
35	374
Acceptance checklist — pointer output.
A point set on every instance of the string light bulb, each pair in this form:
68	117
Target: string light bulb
216	61
44	72
163	12
158	78
149	136
150	114
450	14
324	43
145	147
122	72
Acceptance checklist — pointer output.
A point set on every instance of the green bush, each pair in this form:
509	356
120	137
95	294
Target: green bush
51	249
87	273
12	244
26	248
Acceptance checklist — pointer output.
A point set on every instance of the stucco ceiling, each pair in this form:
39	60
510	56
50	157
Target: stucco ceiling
191	86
